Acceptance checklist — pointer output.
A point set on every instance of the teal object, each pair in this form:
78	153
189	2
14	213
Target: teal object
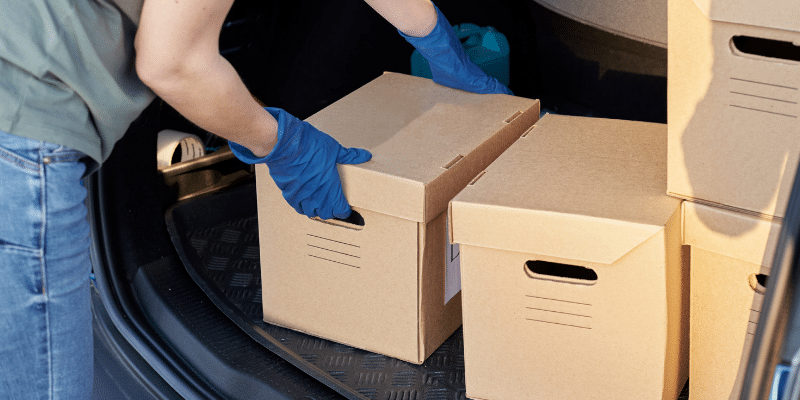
486	47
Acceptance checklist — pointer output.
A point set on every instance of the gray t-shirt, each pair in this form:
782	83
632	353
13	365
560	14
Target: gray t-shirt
67	72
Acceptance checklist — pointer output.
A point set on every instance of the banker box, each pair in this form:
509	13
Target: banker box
573	282
731	256
381	285
733	102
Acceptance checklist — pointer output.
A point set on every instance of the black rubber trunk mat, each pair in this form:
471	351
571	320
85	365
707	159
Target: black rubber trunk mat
217	239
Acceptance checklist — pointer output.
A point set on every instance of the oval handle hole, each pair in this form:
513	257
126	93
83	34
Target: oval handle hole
766	48
354	221
560	272
758	282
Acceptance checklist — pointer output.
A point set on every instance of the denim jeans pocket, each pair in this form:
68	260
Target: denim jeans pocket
22	184
19	153
29	154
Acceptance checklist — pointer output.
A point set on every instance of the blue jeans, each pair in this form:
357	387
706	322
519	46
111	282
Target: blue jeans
45	313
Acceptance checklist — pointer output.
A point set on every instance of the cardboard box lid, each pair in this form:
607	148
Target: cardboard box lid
640	20
741	236
777	14
578	188
421	136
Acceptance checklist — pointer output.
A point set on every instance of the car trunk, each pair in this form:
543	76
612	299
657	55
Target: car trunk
177	296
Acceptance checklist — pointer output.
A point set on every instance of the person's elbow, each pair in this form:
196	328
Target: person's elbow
149	67
160	69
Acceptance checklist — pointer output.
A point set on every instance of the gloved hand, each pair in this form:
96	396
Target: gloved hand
303	165
450	65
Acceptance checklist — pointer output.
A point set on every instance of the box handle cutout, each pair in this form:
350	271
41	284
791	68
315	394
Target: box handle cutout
560	272
354	221
475	179
453	162
513	117
777	49
758	282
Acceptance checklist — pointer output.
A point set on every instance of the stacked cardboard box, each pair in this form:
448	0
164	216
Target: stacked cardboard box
574	284
734	102
730	257
381	285
734	95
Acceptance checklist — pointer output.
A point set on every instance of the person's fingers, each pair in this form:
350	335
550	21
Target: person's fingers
308	208
326	202
340	208
353	155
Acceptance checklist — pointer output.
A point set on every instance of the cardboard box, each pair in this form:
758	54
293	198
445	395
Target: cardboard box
729	251
573	280
734	102
381	286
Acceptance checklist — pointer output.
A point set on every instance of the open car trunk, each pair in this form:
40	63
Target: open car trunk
177	296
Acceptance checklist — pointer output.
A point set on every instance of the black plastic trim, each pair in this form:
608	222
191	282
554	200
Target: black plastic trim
117	302
119	370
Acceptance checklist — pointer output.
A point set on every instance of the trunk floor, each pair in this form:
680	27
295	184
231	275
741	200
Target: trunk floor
217	239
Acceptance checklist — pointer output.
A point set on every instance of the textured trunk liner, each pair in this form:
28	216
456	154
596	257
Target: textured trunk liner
216	237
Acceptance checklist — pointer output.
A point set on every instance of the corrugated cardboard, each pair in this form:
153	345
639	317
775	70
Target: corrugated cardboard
381	286
733	116
640	20
582	192
728	250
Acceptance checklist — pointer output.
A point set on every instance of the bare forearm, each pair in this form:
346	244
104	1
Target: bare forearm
210	94
178	57
412	17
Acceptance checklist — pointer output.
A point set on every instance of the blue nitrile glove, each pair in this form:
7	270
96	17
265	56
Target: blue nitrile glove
303	165
450	65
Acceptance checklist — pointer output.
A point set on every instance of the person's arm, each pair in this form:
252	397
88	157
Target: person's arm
423	25
177	56
412	17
